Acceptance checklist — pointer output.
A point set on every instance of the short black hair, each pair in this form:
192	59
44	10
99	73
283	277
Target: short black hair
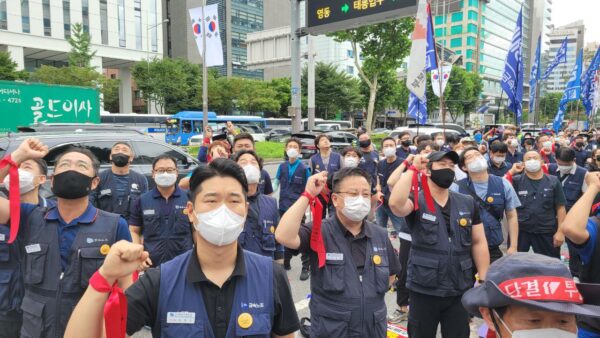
565	154
163	157
581	136
220	167
239	154
319	137
341	174
388	138
529	141
353	150
243	136
403	133
498	147
461	158
84	151
420	138
423	145
451	138
42	166
122	143
295	140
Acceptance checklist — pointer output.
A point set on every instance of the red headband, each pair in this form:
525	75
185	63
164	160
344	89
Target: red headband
542	288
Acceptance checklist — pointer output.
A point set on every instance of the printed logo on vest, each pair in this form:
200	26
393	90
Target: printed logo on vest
334	256
183	317
90	240
149	212
33	248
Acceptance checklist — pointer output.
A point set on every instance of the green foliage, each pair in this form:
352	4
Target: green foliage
282	88
80	54
462	92
110	94
270	150
335	90
227	95
8	69
549	105
383	48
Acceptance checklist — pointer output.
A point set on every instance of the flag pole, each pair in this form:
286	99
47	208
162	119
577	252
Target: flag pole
204	72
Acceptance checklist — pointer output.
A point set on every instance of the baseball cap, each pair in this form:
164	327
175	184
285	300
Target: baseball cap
535	281
438	155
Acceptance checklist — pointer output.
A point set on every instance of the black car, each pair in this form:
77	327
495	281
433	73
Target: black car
278	134
145	148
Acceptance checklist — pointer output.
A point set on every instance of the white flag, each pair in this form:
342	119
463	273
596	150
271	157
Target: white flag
436	78
416	78
210	25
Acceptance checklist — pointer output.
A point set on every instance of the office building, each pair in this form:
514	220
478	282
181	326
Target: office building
236	19
574	32
122	32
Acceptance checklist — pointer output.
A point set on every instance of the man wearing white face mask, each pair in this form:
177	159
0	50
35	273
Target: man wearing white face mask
32	175
159	216
354	262
546	148
542	209
259	230
215	290
513	155
385	168
532	296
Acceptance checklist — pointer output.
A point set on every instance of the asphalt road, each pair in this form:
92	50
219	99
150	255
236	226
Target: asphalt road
301	289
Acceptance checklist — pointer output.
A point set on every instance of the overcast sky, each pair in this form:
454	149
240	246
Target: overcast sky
567	11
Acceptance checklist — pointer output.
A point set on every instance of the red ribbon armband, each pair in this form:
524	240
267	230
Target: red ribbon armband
310	197
14	196
115	309
316	238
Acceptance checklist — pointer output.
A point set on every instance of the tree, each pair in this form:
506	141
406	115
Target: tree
8	69
462	92
282	88
549	105
162	81
383	48
335	90
257	97
80	54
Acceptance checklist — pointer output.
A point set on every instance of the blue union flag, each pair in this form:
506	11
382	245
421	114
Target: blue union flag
512	78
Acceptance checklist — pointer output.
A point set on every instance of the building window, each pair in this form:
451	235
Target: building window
457	16
456	29
440	32
3	15
25	16
470	53
152	21
104	22
67	18
46	11
85	11
349	53
350	70
471	41
474	3
137	8
121	13
439	20
457	42
471	28
469	66
473	15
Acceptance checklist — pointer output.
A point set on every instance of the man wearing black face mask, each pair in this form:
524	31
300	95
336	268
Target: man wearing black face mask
447	238
119	186
404	144
369	160
581	153
62	245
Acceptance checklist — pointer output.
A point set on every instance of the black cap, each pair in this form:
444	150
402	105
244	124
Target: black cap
438	155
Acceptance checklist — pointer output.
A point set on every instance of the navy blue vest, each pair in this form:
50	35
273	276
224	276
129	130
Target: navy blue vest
50	293
581	157
335	163
384	170
264	176
11	277
571	185
259	233
496	202
179	299
498	171
403	154
440	263
106	192
368	163
291	188
343	303
537	213
512	159
165	236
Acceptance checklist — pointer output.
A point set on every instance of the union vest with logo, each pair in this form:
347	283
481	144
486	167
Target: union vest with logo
106	196
344	303
440	263
50	293
290	188
537	213
258	235
572	184
181	309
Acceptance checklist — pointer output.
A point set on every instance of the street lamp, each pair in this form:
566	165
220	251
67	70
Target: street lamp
148	28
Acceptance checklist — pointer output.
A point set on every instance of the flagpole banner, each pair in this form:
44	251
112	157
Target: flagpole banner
431	52
416	80
436	77
512	78
417	109
209	25
588	84
534	76
571	93
560	57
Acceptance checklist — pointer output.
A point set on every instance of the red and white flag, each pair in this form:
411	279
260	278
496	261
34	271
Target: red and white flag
416	79
209	25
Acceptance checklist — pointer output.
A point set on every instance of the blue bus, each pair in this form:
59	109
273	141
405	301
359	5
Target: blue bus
151	124
186	124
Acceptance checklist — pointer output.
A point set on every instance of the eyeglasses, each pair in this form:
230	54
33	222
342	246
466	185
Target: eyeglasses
168	171
355	194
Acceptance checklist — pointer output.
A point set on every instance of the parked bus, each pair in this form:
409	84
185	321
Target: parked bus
151	124
287	122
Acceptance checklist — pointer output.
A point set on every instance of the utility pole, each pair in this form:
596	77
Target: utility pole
295	111
311	82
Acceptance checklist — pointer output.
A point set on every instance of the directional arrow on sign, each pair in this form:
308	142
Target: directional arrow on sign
345	8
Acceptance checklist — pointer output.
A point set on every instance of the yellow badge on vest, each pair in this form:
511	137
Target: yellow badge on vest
272	229
376	259
104	249
463	222
245	320
490	199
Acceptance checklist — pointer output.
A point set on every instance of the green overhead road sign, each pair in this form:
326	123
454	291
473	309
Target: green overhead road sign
22	104
325	16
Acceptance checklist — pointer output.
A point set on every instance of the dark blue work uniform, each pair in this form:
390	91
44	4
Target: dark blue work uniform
165	224
498	171
292	182
368	163
181	304
514	158
11	280
403	153
258	235
108	197
384	170
581	156
265	186
58	261
537	214
334	164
